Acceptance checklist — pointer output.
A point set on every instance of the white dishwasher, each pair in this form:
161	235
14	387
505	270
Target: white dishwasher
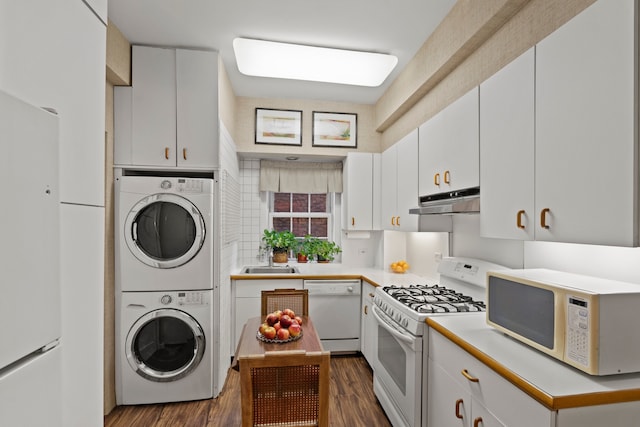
334	308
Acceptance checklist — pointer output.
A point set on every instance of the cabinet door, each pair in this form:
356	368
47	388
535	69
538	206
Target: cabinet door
431	135
248	300
358	180
368	323
461	161
585	114
449	403
388	187
153	131
507	151
197	108
407	184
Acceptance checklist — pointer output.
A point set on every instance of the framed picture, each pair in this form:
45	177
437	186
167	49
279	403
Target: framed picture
335	130
278	127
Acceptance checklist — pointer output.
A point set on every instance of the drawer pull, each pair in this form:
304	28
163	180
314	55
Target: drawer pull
393	220
398	221
353	220
184	153
468	376
366	309
520	214
459	403
166	153
477	422
436	179
447	177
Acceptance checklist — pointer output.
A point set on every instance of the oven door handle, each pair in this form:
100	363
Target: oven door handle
393	331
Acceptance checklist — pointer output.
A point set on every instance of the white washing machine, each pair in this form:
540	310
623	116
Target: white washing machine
164	233
164	346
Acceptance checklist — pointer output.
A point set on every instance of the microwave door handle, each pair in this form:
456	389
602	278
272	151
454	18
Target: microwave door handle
390	329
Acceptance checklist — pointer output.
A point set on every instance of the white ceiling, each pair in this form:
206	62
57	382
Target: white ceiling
397	27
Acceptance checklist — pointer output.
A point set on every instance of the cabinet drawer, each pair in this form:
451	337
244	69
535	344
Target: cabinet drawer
504	400
252	288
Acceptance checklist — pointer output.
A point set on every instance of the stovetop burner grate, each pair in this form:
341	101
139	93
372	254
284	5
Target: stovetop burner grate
434	299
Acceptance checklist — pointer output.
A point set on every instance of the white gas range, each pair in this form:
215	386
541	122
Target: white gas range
401	351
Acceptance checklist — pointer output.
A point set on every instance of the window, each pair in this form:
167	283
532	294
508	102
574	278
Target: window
301	213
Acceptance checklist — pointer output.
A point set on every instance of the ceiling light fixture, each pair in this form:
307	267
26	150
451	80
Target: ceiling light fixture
291	61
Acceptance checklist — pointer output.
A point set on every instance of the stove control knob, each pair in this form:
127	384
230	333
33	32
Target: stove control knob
405	322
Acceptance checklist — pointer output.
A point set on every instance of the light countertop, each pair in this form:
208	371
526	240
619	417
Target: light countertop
551	382
336	271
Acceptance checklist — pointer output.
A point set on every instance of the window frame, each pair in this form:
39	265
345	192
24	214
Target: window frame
329	215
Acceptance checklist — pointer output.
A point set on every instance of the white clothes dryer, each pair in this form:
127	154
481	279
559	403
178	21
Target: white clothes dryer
164	233
164	346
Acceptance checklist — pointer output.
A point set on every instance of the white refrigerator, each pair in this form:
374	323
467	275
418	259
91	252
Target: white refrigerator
30	300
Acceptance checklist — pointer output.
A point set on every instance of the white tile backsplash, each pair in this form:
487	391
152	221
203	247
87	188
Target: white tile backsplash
250	205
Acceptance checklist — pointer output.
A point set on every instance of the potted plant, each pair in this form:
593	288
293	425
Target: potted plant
307	248
280	242
326	250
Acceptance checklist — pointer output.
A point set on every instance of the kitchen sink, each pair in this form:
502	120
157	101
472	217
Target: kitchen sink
265	269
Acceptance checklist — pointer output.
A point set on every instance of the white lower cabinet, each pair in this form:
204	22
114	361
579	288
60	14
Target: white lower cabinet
462	391
247	300
368	323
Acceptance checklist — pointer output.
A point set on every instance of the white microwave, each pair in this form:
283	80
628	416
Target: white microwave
587	322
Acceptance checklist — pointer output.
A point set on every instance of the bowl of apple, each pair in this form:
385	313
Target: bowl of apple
279	327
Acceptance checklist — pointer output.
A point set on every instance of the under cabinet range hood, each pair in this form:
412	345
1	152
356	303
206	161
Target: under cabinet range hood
466	201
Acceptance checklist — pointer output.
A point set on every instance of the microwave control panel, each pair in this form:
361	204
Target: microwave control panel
577	338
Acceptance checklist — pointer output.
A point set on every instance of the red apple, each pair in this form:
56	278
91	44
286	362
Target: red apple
283	334
272	319
277	326
294	329
298	319
262	328
289	312
269	332
278	313
285	321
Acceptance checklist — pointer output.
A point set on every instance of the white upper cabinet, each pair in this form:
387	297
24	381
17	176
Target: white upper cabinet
586	190
99	7
169	116
507	151
400	184
449	147
361	191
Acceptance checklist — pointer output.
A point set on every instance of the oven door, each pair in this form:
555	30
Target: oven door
397	371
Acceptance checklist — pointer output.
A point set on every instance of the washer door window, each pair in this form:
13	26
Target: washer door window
164	230
165	345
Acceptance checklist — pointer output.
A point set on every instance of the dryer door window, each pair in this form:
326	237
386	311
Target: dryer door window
164	230
165	345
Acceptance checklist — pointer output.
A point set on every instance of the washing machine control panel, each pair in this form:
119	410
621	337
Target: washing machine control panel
191	298
185	185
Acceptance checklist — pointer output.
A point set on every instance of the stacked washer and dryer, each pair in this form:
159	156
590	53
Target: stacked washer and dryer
164	256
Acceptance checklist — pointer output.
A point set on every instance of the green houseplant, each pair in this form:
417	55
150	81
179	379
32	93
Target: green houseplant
280	242
326	250
307	248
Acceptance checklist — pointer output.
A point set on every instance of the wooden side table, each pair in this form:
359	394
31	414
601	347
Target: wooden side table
283	383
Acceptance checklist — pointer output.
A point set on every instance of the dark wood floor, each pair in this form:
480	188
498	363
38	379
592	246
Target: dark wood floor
352	403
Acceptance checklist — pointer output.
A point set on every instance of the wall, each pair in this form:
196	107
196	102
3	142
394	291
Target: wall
368	139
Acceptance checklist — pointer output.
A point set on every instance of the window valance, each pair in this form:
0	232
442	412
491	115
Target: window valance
303	177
